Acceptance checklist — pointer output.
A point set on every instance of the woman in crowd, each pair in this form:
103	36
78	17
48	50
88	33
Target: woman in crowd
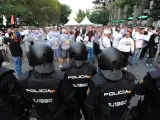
89	39
78	37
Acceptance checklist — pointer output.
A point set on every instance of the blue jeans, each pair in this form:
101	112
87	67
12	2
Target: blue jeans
18	65
135	56
90	54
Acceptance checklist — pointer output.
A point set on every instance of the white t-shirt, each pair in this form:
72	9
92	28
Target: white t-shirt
117	38
6	35
89	44
139	40
147	37
79	39
104	42
126	45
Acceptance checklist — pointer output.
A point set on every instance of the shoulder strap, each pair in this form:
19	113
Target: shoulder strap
98	80
129	76
59	75
26	75
92	66
66	66
4	70
154	74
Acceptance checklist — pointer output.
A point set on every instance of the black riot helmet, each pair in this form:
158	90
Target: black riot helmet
78	51
40	56
110	59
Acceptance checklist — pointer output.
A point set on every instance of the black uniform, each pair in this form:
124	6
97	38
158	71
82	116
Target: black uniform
80	78
50	92
107	100
149	88
111	90
48	88
12	98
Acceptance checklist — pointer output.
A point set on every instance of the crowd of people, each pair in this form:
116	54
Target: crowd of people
135	43
109	92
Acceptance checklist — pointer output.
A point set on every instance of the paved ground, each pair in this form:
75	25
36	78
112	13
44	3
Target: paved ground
139	70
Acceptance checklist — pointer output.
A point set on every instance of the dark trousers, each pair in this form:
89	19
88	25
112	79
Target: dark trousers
152	51
144	50
96	49
126	56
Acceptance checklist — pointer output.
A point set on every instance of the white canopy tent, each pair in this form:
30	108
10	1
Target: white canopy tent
71	22
86	21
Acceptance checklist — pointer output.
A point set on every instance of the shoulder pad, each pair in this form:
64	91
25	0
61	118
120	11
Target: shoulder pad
59	75
26	75
98	80
66	66
4	70
129	75
154	74
92	66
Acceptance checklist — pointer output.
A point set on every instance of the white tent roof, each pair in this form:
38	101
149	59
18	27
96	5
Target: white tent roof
71	22
86	21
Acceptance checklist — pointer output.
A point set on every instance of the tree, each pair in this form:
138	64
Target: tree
42	11
65	12
155	11
101	17
80	16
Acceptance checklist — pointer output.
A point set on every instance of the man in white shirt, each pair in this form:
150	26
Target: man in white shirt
117	36
104	41
126	46
138	45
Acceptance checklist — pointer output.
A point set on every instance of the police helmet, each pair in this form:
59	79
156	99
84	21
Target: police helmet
40	54
110	59
78	51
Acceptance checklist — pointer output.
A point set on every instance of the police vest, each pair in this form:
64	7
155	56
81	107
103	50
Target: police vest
113	96
3	71
79	77
44	90
153	96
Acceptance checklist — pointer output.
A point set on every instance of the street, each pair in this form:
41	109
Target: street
139	70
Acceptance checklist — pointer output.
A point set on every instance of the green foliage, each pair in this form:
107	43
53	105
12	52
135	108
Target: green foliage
65	11
122	3
80	16
155	12
101	17
33	11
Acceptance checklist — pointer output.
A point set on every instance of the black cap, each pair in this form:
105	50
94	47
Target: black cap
78	51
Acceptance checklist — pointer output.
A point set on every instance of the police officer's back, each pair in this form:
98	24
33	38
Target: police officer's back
110	91
79	72
46	86
147	96
13	101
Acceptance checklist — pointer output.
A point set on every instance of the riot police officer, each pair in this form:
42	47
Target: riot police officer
13	101
109	91
79	73
145	104
48	87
